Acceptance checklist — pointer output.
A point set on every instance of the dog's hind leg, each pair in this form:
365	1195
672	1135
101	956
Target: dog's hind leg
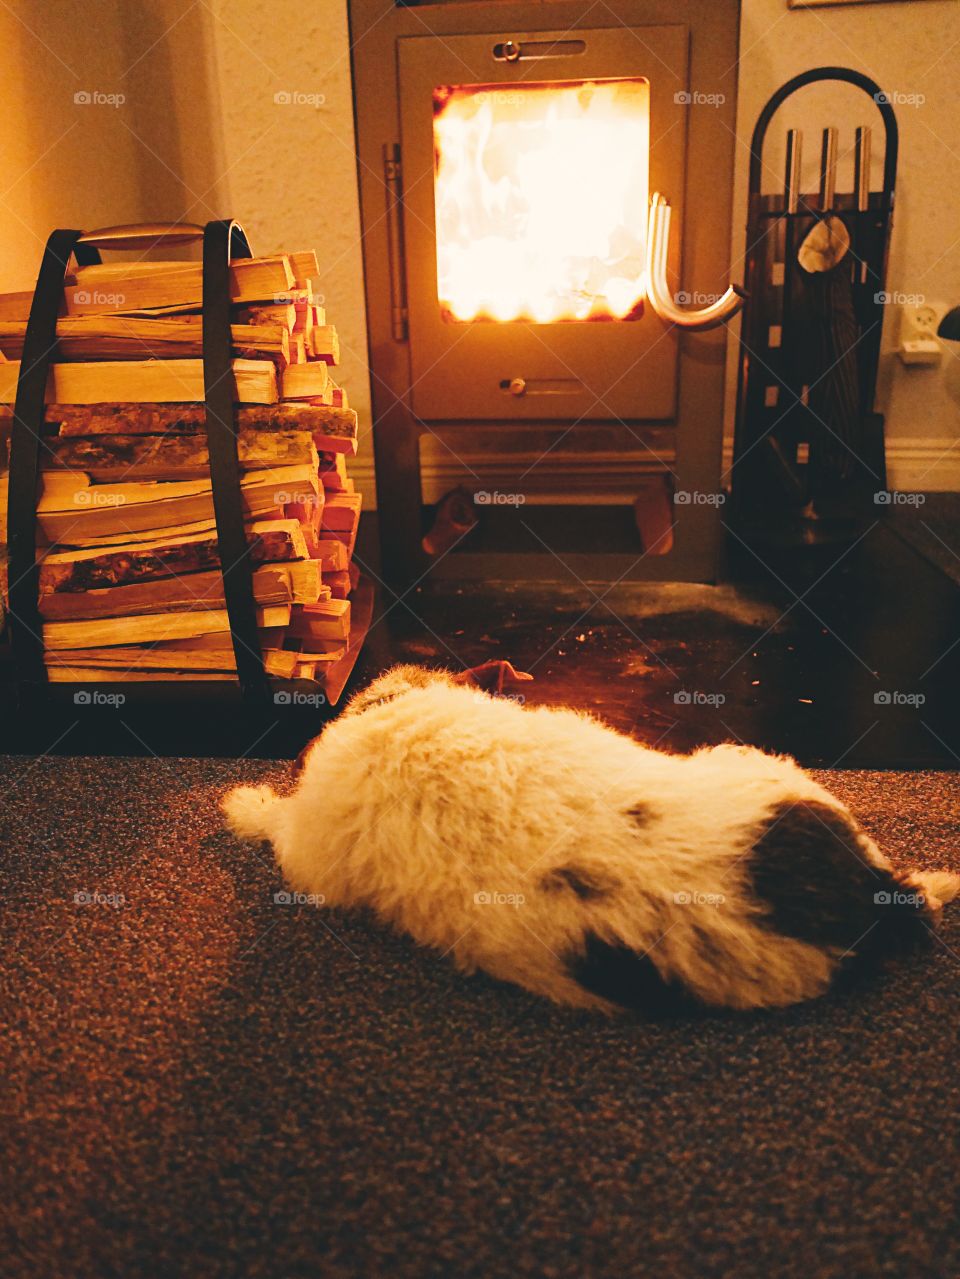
251	811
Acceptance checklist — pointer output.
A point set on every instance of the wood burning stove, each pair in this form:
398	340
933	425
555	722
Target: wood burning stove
522	281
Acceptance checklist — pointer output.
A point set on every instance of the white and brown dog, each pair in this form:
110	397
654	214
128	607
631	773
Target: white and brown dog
550	851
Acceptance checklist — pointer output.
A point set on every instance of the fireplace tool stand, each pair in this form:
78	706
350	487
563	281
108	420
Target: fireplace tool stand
808	463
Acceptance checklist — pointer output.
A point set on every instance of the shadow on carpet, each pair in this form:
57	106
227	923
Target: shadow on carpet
203	1080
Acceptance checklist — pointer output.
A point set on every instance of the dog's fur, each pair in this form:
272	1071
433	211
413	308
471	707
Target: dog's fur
550	851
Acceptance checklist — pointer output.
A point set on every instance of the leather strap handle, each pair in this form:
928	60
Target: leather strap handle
223	241
26	628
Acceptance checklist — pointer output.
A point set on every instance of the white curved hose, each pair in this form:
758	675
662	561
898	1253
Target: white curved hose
658	243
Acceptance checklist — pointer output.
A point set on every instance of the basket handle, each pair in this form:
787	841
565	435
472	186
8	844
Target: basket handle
143	235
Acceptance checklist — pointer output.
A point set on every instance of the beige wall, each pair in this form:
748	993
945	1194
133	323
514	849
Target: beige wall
200	135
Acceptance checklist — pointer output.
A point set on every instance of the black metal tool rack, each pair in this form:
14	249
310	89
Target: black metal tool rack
782	493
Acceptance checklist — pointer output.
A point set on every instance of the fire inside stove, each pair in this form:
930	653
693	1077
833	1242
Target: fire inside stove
541	200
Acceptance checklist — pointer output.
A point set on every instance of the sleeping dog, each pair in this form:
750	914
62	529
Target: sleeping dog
550	851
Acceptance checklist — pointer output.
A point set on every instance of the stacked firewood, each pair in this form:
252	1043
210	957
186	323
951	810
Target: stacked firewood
129	578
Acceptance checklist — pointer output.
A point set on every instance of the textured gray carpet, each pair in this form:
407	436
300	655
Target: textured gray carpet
199	1081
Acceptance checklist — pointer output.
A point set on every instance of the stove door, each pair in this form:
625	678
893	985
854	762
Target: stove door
528	160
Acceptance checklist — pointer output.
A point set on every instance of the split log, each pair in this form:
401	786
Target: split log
334	430
144	381
327	620
123	659
131	286
117	509
99	337
294	583
305	267
282	314
158	457
324	344
302	381
270	541
59	636
333	473
57	674
338	584
341	512
331	554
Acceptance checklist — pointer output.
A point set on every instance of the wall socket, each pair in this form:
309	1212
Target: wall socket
919	343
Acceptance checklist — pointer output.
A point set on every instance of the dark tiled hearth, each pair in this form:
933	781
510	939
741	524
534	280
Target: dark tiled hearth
798	647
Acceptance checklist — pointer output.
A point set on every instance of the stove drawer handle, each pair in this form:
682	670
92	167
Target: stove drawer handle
658	242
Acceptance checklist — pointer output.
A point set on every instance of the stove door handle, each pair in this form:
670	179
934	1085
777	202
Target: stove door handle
658	243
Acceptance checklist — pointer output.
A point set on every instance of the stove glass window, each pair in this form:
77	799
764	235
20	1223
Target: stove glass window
541	200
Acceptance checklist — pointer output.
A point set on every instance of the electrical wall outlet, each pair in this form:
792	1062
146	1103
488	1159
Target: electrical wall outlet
920	321
919	343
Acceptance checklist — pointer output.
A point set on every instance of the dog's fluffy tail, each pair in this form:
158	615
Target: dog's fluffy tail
249	811
940	885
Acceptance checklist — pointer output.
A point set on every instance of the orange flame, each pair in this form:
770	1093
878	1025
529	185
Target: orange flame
541	200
